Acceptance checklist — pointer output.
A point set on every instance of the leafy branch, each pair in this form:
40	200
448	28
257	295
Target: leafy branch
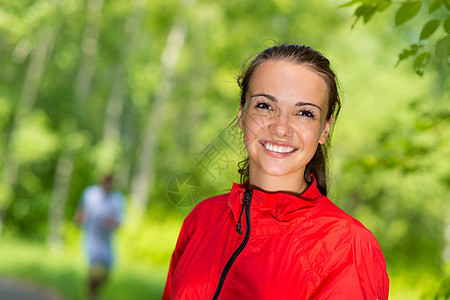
429	45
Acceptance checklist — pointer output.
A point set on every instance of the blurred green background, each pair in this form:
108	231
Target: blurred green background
147	89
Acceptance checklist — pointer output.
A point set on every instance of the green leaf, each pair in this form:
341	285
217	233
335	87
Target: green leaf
358	13
383	4
435	5
369	13
442	50
447	4
429	28
447	24
421	62
407	11
412	50
366	11
362	10
368	8
349	3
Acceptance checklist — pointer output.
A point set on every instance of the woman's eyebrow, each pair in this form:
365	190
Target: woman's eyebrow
308	103
270	97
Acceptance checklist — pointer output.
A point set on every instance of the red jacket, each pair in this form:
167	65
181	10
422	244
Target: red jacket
298	248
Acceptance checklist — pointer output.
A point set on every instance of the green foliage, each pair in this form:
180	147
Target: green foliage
437	14
407	11
435	5
34	133
447	24
442	50
421	62
65	273
444	289
409	52
429	28
152	240
389	143
367	8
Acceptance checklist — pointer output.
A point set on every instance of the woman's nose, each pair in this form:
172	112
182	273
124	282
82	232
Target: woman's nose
281	125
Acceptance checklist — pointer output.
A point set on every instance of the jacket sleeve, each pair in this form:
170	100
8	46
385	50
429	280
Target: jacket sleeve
359	271
179	249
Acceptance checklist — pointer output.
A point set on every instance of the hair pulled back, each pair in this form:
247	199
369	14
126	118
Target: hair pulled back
313	59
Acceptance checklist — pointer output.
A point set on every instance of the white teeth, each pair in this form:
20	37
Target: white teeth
279	149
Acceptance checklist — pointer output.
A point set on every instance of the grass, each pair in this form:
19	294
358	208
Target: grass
143	251
65	273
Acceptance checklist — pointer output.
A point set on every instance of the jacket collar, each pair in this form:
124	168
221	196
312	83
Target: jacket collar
275	208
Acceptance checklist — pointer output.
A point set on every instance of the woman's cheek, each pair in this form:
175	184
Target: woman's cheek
253	124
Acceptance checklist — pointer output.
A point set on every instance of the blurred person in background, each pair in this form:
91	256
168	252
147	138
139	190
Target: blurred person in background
277	235
99	212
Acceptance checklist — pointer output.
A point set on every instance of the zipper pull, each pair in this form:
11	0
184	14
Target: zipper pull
244	204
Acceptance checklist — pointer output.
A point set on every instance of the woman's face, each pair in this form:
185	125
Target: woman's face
284	119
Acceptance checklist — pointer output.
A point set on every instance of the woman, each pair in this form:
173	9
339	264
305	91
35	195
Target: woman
277	236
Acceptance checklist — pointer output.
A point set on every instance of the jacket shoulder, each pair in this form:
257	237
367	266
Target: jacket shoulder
214	202
342	232
348	255
209	211
339	231
335	215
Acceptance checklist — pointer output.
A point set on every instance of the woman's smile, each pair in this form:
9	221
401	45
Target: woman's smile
277	149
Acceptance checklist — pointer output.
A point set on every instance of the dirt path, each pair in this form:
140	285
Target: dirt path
15	290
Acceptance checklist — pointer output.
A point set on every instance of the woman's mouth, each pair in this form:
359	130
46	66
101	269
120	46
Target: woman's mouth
278	148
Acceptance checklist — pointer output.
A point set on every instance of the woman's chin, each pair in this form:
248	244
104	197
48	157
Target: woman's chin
275	171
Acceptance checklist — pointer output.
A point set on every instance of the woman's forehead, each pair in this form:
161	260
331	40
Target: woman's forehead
288	81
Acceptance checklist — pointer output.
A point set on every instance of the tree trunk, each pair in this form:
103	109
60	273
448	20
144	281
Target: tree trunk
26	102
114	105
58	201
82	91
89	48
144	176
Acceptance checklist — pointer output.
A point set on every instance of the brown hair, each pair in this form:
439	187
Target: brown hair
307	56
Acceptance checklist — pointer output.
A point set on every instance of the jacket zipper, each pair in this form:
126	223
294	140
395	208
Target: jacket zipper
239	224
245	204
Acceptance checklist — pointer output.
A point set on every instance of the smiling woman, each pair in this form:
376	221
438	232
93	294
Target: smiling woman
297	243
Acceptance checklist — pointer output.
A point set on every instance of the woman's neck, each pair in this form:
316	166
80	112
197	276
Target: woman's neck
290	183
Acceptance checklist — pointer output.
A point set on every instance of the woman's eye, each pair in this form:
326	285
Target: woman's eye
306	113
263	105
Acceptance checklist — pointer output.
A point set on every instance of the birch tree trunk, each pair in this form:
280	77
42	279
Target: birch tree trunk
58	201
144	177
114	105
26	102
82	92
89	48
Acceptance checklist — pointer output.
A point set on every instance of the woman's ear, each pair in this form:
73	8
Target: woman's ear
241	117
326	131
